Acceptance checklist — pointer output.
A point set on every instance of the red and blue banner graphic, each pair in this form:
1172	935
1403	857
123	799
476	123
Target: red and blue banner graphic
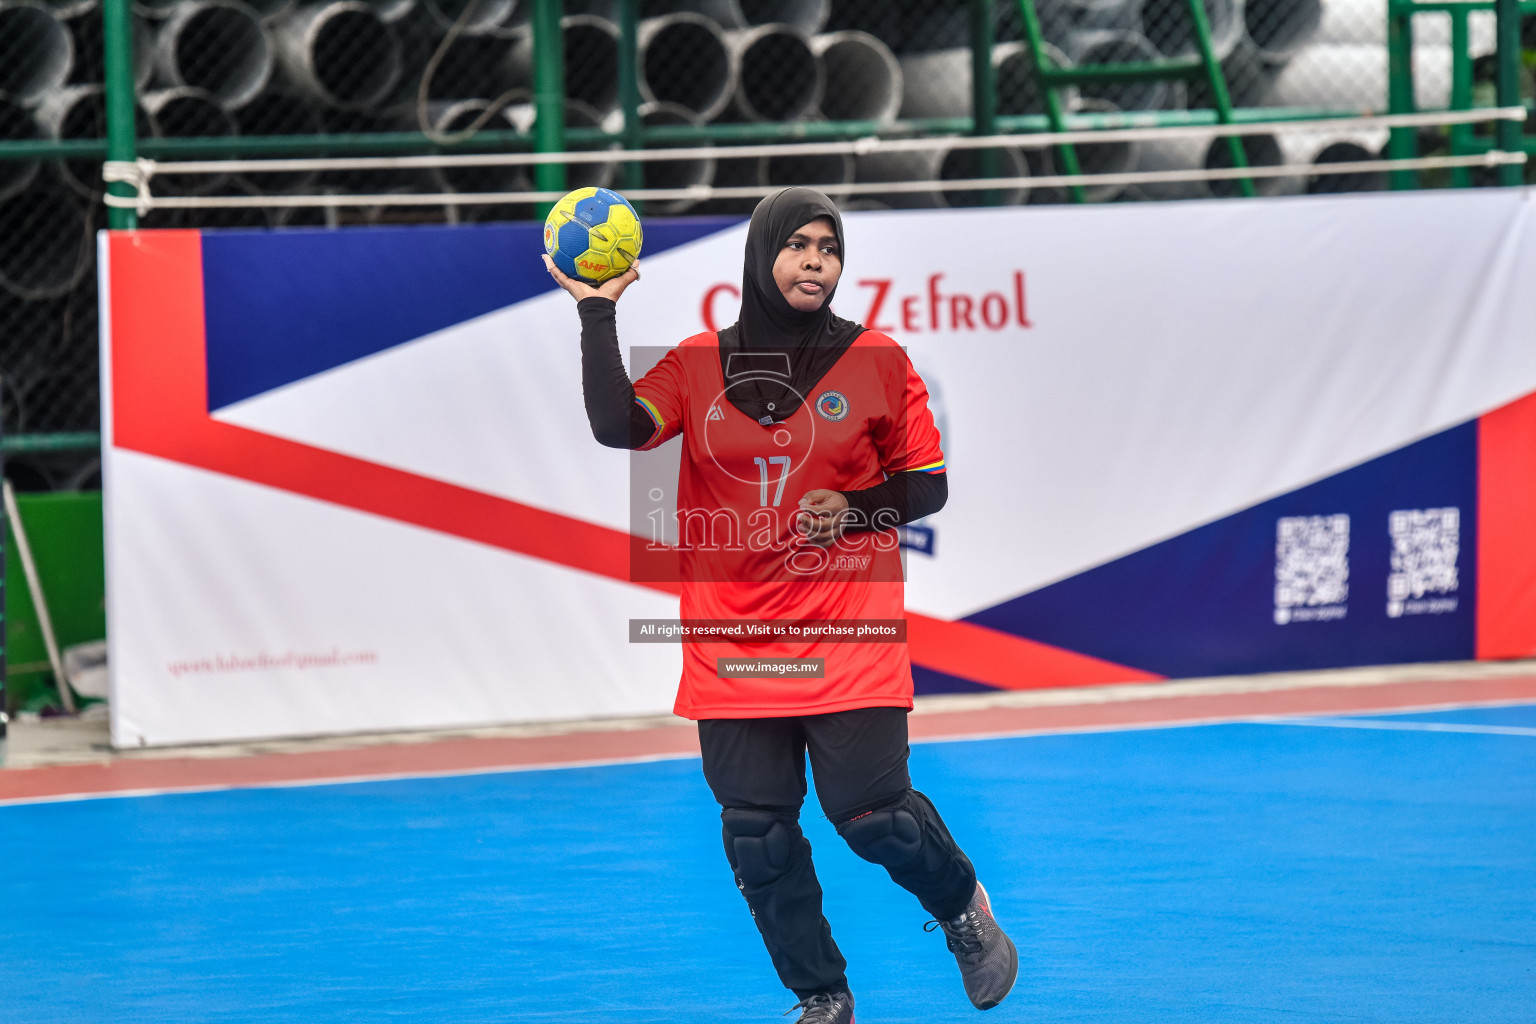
351	485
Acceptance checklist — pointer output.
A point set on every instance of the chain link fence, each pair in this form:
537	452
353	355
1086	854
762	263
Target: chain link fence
721	71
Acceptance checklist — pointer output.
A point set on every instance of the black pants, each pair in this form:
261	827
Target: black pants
756	768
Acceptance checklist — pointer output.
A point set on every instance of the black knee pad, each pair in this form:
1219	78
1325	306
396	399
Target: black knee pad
907	832
907	837
889	836
760	845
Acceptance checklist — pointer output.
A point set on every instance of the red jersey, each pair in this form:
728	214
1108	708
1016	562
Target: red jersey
742	558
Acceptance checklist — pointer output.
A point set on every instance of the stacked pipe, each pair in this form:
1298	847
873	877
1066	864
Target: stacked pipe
47	245
264	67
350	65
1332	54
290	67
674	173
285	66
1321	54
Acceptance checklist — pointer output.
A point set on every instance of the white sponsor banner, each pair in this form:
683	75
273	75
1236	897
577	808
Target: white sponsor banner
1104	378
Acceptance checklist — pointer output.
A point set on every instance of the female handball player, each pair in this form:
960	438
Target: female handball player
793	392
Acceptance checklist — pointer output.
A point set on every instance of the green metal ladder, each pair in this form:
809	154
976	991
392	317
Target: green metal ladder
1403	144
1049	78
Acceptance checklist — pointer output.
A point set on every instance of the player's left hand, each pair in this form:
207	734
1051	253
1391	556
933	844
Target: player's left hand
825	518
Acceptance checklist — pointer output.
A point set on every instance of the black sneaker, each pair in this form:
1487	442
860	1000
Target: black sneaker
989	963
824	1008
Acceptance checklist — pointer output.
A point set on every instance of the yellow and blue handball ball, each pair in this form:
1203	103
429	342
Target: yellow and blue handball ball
592	234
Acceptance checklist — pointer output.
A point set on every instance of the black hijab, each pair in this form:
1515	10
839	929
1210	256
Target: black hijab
774	354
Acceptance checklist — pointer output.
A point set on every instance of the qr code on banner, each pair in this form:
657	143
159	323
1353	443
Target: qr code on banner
1311	568
1425	545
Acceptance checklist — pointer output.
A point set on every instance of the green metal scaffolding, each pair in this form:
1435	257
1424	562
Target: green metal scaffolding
1510	136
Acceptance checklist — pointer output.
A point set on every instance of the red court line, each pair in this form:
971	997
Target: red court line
438	757
469	755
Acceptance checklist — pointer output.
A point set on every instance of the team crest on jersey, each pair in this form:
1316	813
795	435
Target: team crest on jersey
715	413
832	405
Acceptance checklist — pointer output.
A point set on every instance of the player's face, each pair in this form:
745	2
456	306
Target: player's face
808	266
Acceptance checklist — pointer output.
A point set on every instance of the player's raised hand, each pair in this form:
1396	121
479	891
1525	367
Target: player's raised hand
825	516
609	289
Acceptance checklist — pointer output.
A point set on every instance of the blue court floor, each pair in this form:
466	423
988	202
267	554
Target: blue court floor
1343	870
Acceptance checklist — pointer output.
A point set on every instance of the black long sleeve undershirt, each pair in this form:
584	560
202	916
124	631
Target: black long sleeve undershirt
618	422
902	498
